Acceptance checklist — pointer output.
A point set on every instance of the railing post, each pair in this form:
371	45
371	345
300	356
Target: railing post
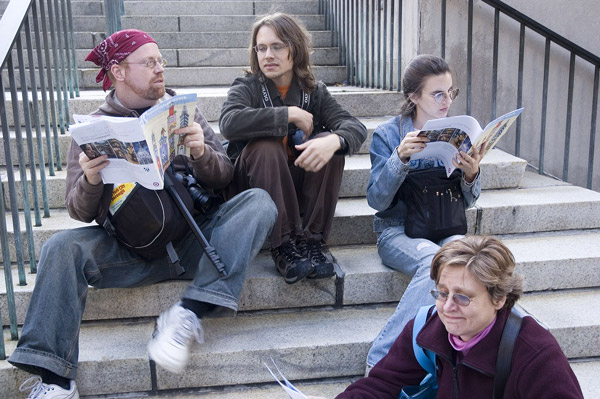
13	202
400	24
22	161
544	104
73	56
113	10
38	127
593	128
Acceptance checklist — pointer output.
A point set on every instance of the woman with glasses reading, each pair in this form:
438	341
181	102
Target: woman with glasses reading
428	92
475	289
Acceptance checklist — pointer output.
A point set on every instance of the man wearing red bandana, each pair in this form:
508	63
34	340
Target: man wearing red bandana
72	260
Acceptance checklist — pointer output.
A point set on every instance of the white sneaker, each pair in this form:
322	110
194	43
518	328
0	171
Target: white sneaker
47	391
172	338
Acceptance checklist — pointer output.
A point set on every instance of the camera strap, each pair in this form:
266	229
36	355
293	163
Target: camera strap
174	259
268	103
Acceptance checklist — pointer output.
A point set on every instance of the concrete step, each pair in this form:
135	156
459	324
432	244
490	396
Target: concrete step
192	40
354	181
64	141
545	260
206	57
366	281
306	344
537	207
304	7
585	371
507	211
570	318
210	76
207	75
196	21
360	102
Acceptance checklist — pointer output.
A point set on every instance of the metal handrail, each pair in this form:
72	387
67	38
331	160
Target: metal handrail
24	72
371	30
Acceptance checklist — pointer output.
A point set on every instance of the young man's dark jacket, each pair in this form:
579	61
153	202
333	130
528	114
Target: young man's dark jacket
87	202
539	368
244	116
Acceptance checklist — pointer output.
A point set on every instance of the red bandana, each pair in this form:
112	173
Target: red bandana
115	49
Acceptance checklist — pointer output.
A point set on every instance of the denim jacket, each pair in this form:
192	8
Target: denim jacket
388	172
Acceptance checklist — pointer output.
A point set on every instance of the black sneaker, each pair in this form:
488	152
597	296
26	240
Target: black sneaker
313	251
290	264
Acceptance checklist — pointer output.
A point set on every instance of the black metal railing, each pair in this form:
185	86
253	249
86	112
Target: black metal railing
369	35
43	70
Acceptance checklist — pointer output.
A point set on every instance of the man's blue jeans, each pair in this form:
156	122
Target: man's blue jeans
72	260
411	256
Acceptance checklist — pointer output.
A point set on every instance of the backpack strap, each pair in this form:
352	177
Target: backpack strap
505	350
425	357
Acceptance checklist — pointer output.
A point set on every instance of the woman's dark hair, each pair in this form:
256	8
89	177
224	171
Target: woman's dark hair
295	35
488	261
419	69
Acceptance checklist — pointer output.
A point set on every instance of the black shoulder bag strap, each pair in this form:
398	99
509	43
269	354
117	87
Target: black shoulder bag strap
505	351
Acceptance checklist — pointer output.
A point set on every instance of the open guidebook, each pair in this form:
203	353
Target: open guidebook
138	149
448	136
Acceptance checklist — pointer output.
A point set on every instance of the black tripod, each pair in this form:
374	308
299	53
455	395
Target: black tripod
208	249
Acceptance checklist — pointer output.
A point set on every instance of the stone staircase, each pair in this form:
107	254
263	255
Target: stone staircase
317	331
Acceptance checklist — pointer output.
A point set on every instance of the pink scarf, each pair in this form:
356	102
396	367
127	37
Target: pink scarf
462	346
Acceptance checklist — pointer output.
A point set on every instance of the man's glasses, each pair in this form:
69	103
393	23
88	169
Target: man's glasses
459	299
441	97
151	62
275	48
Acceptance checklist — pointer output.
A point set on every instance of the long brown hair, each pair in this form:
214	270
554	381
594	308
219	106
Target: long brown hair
296	37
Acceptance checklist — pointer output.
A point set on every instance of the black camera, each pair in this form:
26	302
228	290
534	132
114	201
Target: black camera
203	201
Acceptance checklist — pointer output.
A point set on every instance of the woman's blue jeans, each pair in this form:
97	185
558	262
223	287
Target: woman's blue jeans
411	256
72	260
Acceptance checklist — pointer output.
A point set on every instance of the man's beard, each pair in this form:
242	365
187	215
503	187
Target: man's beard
149	92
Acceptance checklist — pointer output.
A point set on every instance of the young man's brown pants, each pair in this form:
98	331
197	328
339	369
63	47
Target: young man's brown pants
305	201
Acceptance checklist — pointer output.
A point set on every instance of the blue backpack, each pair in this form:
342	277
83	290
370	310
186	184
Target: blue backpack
428	387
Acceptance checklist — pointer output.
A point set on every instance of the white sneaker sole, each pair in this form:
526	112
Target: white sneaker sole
164	359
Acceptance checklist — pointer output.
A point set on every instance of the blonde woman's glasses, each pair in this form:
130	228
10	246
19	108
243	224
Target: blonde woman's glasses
459	299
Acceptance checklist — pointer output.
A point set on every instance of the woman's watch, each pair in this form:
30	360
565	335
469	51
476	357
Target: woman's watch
343	144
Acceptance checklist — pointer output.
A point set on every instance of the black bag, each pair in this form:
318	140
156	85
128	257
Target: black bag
435	208
149	220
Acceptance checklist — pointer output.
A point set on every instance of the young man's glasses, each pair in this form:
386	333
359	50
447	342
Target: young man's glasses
151	62
440	97
275	48
459	299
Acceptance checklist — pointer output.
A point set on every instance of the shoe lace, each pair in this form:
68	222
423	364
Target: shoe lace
288	253
35	385
315	252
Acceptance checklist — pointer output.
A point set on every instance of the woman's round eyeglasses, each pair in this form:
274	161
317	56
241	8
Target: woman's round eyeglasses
440	97
459	299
